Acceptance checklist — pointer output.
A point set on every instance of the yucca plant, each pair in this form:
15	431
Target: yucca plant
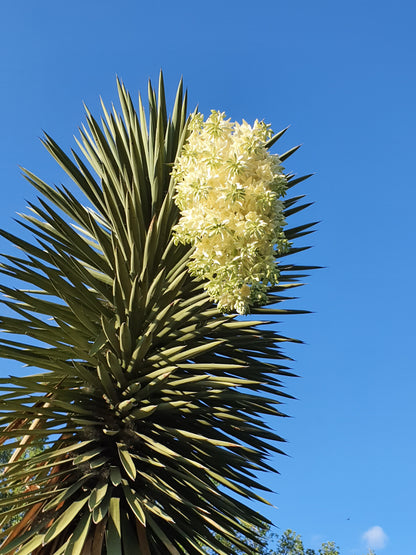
150	402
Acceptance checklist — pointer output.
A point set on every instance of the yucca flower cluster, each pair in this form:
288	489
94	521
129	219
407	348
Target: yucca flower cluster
228	189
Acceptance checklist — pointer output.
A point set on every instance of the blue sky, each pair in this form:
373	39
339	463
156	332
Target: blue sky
342	75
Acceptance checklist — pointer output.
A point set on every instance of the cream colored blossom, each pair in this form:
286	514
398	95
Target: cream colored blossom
228	189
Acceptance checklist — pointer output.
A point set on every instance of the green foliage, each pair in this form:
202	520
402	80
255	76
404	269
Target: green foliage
289	543
328	548
153	400
5	492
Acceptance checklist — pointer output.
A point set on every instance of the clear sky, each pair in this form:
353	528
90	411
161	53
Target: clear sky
342	74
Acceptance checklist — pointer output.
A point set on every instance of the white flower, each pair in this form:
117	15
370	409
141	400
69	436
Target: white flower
228	189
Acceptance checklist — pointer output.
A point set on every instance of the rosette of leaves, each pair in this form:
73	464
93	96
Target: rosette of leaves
149	403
